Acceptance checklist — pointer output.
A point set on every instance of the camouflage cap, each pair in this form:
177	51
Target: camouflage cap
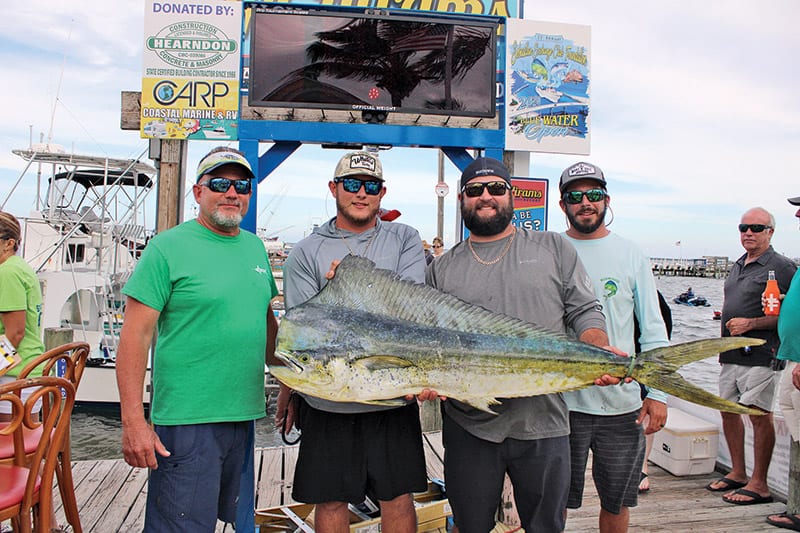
359	164
217	159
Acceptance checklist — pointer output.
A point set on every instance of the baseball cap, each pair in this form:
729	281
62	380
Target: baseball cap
795	200
215	160
359	164
485	166
581	171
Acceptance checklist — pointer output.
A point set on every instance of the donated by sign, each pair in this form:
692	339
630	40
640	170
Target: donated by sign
190	82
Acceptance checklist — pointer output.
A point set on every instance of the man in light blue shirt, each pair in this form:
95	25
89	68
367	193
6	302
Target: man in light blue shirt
608	420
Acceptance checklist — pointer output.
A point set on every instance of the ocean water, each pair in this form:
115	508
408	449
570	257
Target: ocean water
96	434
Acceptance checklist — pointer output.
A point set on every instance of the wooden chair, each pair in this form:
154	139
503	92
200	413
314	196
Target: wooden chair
26	485
67	361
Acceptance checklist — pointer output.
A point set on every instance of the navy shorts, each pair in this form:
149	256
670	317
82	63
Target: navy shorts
199	482
617	444
345	457
474	472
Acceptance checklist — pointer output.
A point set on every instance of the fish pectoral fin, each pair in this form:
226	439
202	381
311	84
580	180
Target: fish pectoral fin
396	402
482	403
383	362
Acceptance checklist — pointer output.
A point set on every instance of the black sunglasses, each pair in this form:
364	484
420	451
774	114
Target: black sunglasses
353	185
495	188
223	184
755	228
576	197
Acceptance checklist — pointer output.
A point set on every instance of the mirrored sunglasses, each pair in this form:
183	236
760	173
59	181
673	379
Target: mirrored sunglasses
223	184
755	228
576	197
495	188
353	185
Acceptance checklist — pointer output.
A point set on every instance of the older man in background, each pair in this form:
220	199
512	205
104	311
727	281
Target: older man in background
748	375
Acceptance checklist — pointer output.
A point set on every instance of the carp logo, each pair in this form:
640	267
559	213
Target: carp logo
192	45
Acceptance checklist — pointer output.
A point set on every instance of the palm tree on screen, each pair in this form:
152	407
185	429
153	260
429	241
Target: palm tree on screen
398	57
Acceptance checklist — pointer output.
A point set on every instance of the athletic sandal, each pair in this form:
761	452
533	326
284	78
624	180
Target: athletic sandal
644	484
793	523
729	485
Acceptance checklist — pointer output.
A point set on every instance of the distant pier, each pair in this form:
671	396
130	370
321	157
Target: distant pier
705	267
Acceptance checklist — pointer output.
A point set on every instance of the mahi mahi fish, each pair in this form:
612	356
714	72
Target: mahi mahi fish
370	337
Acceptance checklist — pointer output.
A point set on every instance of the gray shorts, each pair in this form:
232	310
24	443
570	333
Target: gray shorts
749	385
617	444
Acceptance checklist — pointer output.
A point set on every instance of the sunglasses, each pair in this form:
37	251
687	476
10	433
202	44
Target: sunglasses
576	197
223	184
755	228
353	185
495	188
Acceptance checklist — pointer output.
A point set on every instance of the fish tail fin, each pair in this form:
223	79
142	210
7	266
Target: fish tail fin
657	368
675	356
677	386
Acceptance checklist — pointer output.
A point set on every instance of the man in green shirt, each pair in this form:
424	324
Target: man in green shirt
206	286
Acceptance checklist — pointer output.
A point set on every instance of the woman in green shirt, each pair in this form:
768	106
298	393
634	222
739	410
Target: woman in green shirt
20	298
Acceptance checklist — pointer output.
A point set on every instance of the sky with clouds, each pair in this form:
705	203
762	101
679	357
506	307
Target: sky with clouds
694	115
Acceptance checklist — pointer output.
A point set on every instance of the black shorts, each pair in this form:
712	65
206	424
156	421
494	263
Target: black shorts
345	457
474	471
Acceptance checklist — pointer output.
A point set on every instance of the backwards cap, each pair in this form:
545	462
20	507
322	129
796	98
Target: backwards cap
485	166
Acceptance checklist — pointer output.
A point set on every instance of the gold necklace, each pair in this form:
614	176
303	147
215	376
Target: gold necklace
369	243
499	257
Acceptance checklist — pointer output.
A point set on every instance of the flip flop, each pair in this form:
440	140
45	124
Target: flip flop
755	498
642	478
730	485
793	524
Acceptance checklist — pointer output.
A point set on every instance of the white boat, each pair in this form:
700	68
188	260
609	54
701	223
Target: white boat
83	238
549	93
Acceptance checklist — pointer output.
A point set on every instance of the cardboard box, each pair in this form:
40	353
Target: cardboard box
686	446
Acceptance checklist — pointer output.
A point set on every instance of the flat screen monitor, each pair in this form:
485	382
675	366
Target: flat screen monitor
363	59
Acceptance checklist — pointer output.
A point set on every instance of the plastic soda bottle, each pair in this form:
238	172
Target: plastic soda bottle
772	300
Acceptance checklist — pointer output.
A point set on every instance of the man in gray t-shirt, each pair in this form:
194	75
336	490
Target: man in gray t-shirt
537	277
351	450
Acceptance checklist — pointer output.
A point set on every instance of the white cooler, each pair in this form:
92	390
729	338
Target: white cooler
686	446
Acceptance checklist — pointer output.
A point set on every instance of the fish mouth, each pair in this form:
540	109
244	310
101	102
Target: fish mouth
290	361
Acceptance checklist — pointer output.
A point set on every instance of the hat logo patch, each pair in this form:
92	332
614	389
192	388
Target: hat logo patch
581	169
363	161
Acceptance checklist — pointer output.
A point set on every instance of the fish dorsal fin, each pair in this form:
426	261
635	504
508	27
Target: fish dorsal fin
358	284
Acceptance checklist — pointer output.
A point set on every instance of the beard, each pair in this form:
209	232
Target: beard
486	227
363	220
587	226
226	221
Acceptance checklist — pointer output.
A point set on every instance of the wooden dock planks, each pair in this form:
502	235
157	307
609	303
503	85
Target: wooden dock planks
111	497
